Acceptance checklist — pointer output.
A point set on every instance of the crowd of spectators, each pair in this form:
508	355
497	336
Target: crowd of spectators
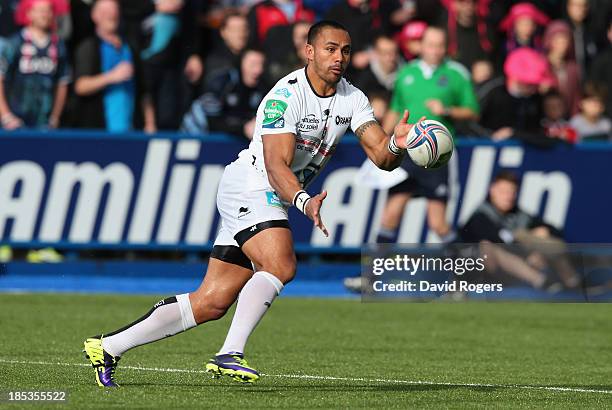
202	66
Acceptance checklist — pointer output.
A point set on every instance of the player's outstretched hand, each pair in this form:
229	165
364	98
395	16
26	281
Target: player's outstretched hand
313	211
402	129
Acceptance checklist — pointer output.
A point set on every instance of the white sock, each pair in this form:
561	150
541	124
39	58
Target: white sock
254	300
167	318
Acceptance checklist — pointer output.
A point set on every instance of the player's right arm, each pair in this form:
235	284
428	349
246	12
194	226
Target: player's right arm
279	150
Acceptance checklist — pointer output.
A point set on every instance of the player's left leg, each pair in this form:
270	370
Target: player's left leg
271	250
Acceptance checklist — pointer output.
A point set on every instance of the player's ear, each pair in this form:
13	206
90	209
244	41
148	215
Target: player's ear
309	52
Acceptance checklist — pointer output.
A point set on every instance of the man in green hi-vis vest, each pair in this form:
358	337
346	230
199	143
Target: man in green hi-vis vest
439	89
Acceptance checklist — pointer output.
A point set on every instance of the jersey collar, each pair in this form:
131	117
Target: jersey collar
312	88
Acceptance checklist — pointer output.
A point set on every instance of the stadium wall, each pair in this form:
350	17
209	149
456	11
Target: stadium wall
80	189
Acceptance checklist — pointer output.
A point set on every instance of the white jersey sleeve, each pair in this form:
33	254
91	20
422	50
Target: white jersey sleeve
281	112
362	112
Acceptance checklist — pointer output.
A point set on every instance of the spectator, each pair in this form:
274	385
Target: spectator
285	49
482	73
409	39
525	70
164	25
500	220
104	74
555	122
591	123
439	89
470	37
521	26
560	52
169	63
584	43
270	13
231	99
34	72
381	73
234	32
362	19
433	86
601	71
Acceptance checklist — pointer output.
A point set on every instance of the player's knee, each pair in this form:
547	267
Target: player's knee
282	267
210	307
215	312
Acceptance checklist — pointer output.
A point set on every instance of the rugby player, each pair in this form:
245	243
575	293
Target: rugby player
298	127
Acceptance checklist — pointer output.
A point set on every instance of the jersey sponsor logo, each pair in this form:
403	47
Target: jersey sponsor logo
273	199
343	120
309	123
280	123
273	111
408	80
283	91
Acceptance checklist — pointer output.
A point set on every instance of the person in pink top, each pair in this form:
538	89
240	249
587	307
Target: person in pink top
559	48
522	25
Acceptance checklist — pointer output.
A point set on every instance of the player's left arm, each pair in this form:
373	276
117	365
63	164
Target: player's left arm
386	152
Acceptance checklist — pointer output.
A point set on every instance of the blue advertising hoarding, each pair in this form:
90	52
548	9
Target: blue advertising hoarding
75	189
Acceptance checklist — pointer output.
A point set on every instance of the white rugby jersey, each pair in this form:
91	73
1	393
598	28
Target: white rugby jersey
318	123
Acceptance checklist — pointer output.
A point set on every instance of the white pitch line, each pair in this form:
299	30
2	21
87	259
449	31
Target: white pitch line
334	378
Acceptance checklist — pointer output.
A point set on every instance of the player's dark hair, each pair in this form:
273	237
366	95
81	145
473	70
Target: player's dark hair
506	175
323	24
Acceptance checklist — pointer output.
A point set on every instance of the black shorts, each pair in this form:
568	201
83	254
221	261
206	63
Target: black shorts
421	182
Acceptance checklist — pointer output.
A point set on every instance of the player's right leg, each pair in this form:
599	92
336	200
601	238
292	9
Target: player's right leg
228	271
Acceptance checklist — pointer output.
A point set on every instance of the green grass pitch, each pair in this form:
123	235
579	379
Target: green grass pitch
363	355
